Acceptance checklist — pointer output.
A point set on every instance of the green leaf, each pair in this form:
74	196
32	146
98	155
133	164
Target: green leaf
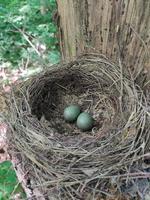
9	185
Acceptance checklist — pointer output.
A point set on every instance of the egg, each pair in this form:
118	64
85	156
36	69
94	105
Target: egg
85	121
71	113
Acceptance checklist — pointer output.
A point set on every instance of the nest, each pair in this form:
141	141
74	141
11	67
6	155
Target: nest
62	161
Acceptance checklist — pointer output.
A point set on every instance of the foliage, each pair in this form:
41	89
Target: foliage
26	36
9	186
23	24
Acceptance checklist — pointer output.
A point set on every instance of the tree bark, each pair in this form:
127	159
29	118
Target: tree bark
115	28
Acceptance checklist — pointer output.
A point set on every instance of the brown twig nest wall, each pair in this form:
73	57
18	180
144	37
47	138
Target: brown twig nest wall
62	161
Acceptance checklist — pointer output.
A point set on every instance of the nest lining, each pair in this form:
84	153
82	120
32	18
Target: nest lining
72	87
63	161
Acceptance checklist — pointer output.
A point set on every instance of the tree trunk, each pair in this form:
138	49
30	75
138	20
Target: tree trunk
115	28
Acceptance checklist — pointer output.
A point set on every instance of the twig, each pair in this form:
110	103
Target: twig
26	38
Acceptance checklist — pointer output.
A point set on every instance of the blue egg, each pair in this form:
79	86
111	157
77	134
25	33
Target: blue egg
71	113
85	121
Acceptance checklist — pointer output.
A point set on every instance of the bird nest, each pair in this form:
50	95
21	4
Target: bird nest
61	160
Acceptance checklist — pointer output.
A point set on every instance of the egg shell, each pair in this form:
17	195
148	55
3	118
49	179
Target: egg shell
71	113
85	121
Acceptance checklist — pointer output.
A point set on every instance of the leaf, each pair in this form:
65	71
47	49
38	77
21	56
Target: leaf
9	185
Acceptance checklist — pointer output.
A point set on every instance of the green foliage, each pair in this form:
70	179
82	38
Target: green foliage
9	185
25	17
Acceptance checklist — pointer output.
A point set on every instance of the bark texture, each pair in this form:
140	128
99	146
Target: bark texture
115	28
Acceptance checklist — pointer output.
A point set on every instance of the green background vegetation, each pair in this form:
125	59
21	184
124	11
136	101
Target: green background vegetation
26	16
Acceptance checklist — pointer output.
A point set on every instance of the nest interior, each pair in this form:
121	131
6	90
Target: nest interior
57	90
63	161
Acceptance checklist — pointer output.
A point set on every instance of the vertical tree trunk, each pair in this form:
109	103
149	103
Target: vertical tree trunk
115	28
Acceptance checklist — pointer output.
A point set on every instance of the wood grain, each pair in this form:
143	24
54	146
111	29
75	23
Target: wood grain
115	28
